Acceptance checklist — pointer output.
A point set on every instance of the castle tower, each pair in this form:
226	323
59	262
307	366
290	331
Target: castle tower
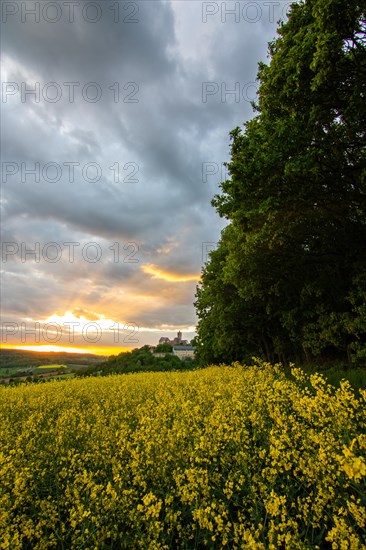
179	337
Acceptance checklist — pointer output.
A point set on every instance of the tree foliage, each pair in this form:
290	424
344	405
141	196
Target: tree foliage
137	360
288	278
164	348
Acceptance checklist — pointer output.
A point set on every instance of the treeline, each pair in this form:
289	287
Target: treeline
138	360
288	279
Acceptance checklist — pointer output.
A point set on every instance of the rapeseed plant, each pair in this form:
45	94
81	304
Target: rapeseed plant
225	457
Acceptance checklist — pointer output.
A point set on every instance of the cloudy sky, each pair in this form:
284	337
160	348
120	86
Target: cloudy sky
115	123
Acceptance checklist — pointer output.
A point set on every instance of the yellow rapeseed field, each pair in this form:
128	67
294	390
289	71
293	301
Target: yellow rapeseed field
224	457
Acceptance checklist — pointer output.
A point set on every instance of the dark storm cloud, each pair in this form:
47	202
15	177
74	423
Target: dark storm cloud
94	51
162	143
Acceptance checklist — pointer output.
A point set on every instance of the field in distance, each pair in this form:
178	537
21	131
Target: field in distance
51	367
21	364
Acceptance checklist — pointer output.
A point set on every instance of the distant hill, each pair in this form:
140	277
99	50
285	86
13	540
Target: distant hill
24	358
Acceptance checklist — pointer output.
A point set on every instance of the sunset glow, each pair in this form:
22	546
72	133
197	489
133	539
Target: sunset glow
59	349
80	321
157	273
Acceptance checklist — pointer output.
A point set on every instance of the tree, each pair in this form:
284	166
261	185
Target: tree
294	251
164	348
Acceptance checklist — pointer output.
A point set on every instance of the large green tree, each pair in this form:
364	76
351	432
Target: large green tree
290	270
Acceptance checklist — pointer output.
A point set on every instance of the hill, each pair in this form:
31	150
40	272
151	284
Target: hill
23	359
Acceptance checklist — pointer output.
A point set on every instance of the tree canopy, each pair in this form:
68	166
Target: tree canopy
288	279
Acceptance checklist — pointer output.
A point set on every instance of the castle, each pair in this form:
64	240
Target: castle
177	341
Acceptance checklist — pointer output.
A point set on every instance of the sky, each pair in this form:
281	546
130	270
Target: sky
115	121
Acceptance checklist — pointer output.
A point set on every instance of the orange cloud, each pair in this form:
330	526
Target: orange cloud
157	273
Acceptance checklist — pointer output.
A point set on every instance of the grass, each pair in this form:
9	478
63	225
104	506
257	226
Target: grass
336	372
10	371
356	376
